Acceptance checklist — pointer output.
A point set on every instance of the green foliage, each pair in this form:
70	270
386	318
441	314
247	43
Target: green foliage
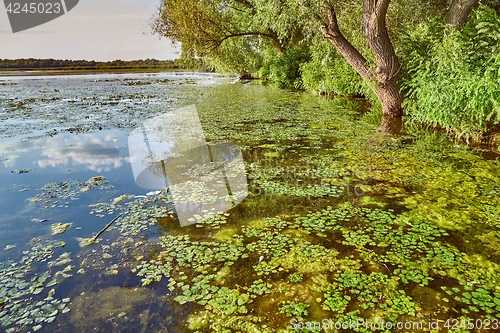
260	288
328	72
236	55
294	309
368	292
229	301
199	291
229	36
23	302
453	82
284	68
153	271
294	278
476	299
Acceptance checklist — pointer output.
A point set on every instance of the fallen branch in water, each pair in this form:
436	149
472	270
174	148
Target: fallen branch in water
106	227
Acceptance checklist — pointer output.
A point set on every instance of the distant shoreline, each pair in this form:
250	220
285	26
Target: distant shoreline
48	72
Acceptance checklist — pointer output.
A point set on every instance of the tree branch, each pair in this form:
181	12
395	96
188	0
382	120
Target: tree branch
332	32
459	11
375	30
247	4
218	42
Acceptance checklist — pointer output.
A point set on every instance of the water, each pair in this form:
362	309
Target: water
62	131
324	222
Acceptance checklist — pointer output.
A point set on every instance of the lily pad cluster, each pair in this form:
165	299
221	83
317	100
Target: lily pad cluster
475	299
60	195
144	212
138	213
27	295
292	181
294	265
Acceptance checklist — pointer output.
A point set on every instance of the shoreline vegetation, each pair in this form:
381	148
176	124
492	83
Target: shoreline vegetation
434	65
33	66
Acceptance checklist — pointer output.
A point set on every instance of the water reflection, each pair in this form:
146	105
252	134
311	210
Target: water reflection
203	179
94	152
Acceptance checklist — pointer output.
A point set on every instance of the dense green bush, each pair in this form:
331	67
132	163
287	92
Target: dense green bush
235	55
453	82
330	73
284	68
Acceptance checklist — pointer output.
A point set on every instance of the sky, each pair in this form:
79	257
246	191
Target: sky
100	30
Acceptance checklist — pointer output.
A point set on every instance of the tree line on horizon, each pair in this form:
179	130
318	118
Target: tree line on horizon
33	63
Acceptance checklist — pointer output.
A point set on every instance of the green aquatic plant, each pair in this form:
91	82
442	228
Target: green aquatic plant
294	309
294	278
259	287
228	301
153	270
136	215
21	302
274	244
211	219
372	291
200	291
60	228
476	299
308	164
328	219
398	251
60	195
264	268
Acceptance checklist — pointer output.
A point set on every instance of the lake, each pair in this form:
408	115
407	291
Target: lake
234	207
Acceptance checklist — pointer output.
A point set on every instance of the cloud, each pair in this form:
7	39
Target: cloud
93	153
95	157
9	160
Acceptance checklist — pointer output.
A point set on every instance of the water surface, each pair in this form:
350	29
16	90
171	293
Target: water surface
328	223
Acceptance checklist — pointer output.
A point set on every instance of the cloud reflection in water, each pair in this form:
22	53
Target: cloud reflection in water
96	152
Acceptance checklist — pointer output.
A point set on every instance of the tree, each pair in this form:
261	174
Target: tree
459	11
385	77
232	32
230	35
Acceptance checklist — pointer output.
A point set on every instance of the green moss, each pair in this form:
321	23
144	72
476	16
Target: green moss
100	309
59	228
225	234
353	230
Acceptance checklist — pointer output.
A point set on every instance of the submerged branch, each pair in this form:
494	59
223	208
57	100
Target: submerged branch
106	227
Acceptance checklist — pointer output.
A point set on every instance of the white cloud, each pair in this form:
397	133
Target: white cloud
91	152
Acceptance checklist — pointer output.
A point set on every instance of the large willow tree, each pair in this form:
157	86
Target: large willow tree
235	35
228	35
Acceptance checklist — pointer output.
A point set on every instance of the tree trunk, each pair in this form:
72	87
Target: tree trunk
387	70
347	50
391	125
459	11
